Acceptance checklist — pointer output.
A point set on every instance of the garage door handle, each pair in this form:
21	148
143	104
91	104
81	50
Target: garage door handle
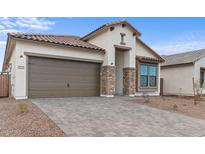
68	85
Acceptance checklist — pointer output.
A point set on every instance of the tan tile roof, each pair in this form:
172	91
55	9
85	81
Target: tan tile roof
183	58
73	41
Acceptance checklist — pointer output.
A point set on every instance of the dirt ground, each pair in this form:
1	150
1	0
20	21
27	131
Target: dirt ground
31	123
182	105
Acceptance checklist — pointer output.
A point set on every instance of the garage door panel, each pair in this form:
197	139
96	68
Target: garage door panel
64	76
60	93
64	73
64	85
60	64
49	69
49	78
70	79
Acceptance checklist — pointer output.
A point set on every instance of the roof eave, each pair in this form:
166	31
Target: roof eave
89	35
179	64
107	26
197	59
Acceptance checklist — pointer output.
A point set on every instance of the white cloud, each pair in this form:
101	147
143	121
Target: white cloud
8	24
21	25
176	47
5	31
2	27
34	23
2	43
28	23
181	43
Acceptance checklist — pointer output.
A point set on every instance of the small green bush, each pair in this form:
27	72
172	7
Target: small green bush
22	106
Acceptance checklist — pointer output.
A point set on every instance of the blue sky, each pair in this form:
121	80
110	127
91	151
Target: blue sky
165	35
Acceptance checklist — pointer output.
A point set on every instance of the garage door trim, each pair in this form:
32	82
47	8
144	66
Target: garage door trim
62	57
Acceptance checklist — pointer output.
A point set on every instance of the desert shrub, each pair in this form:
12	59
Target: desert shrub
175	107
146	98
22	106
198	90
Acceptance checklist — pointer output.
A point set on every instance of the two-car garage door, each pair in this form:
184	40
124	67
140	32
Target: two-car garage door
60	78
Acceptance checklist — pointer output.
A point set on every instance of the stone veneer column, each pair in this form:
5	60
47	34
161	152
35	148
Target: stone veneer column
129	81
107	87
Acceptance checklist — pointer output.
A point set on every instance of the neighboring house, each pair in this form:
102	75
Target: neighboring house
110	60
178	71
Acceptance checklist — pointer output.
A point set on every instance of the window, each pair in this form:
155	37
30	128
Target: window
201	79
152	76
143	75
148	75
122	38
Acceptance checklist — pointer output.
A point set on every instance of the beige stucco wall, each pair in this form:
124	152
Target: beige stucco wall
102	41
107	39
199	64
143	51
13	72
20	75
178	80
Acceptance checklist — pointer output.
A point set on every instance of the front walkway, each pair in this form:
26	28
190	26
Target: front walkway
119	116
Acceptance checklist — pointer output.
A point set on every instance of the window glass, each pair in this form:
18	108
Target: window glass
153	74
152	81
143	75
143	81
143	70
201	78
152	70
148	75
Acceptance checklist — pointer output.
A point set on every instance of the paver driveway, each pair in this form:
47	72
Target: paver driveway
119	116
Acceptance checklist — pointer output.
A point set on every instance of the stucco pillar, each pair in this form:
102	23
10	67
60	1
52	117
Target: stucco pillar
107	87
129	81
20	84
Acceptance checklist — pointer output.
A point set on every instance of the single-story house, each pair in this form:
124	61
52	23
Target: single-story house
108	61
178	71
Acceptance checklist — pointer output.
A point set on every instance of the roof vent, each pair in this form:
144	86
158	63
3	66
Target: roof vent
123	25
112	28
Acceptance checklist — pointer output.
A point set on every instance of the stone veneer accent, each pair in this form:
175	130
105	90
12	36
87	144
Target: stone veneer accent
107	81
129	81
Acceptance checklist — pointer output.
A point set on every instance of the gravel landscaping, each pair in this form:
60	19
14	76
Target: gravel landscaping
182	105
31	123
